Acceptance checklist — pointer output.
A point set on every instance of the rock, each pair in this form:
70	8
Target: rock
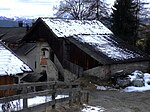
148	82
138	82
120	79
123	82
118	75
139	74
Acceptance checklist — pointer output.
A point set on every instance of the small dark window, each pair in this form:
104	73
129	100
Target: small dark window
52	56
43	53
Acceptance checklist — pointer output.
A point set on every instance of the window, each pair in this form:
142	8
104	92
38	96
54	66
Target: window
45	52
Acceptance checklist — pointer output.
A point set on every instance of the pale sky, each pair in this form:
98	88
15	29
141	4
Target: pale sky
27	8
31	8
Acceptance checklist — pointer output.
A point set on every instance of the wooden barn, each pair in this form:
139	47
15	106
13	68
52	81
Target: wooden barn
74	48
12	69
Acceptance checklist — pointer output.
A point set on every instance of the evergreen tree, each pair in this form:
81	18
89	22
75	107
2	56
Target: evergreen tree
125	20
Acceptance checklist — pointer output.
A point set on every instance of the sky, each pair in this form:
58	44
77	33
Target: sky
27	8
31	8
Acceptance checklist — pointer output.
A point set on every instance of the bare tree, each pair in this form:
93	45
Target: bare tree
144	11
82	9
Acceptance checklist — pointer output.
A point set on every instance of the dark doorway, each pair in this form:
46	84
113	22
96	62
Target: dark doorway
60	77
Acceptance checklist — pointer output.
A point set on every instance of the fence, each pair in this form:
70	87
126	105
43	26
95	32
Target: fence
30	90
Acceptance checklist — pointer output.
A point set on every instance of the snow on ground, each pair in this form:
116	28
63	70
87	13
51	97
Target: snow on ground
132	88
18	104
139	89
104	88
88	108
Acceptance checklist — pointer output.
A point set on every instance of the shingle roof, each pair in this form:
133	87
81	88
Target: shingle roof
10	64
12	34
25	48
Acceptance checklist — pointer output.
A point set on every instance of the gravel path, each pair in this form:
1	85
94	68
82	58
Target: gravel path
117	101
113	101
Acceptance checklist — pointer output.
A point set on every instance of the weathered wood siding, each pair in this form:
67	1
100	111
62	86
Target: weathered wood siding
75	55
57	47
73	68
5	80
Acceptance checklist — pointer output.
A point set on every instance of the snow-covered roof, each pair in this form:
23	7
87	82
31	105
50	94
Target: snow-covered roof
92	37
65	28
10	64
109	47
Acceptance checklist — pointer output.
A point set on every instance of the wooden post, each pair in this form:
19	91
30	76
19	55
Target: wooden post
25	103
80	95
25	100
53	96
87	97
70	96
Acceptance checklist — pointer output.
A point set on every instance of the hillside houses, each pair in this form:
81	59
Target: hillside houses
58	49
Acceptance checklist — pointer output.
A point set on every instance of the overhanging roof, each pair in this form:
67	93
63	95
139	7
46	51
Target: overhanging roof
107	49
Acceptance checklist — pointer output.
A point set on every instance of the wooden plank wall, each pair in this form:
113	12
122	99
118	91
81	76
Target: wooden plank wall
79	57
73	68
5	80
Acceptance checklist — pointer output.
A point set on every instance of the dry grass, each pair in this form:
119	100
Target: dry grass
65	108
90	82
